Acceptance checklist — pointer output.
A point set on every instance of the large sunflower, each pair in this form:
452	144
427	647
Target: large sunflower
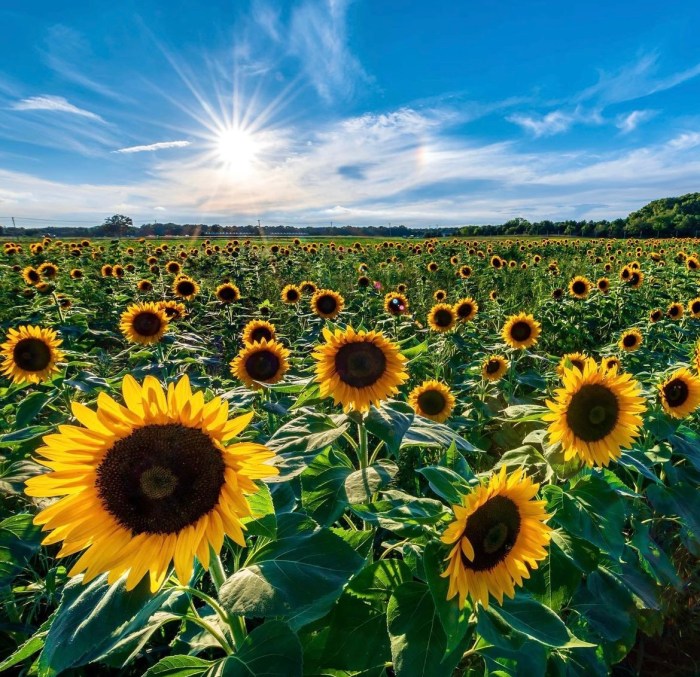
358	368
30	354
442	317
148	484
521	331
257	330
494	367
498	535
432	400
466	309
327	303
680	393
185	287
144	323
595	414
580	287
261	362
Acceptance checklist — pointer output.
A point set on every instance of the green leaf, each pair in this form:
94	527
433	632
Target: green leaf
445	483
92	619
19	540
29	648
426	433
418	641
679	499
532	619
390	422
178	666
30	407
361	485
24	435
271	650
524	412
401	513
297	577
263	521
323	486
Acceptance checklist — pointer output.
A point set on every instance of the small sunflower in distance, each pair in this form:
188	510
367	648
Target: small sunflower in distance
694	308
228	293
596	414
494	367
466	309
521	331
185	287
442	317
257	330
655	315
308	287
360	368
327	303
31	275
290	294
675	311
395	303
680	393
148	484
261	362
145	285
580	287
603	285
569	361
144	323
498	535
610	362
630	340
172	309
433	400
30	354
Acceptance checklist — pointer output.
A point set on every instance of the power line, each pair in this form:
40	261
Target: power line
29	218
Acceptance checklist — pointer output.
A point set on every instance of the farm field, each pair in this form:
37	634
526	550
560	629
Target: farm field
350	457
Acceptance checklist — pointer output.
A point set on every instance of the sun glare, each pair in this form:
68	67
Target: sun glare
236	149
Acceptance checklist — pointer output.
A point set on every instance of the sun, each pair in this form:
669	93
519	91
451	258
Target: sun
236	149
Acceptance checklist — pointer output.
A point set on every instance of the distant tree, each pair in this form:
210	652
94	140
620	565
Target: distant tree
117	225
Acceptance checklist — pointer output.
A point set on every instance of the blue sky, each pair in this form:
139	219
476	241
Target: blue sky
361	112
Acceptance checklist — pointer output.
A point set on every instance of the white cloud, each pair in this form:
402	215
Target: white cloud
53	103
555	122
629	122
153	146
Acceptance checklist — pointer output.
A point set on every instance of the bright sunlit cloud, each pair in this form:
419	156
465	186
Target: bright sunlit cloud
236	150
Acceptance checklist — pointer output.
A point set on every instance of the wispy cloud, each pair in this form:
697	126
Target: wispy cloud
53	103
153	146
555	122
629	122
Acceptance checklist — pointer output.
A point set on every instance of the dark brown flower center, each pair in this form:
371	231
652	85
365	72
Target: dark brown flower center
260	333
432	402
33	275
465	310
579	287
292	295
443	317
492	366
185	288
360	364
695	307
262	365
521	331
161	478
629	340
676	392
593	412
31	354
492	531
227	294
673	311
326	304
146	323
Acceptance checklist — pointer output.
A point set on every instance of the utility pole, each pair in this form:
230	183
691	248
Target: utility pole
13	222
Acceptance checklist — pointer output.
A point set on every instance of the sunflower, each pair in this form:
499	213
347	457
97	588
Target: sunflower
580	287
395	303
257	330
680	393
261	362
185	287
432	400
144	323
498	534
521	331
466	309
48	270
630	340
571	361
31	275
603	285
494	367
363	281
440	295
611	362
635	279
145	285
327	303
596	413
291	294
30	354
228	293
307	287
173	267
442	317
172	309
432	267
149	483
675	311
655	315
465	272
558	294
694	307
358	368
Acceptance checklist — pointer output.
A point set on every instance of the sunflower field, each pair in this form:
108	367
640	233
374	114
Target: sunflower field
303	457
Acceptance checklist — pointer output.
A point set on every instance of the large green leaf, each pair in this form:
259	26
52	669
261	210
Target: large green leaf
19	540
390	422
418	641
426	433
178	666
297	577
323	486
445	483
362	484
401	513
680	499
262	522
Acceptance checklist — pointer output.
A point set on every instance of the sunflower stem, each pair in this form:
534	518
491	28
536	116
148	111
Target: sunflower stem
362	452
216	570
